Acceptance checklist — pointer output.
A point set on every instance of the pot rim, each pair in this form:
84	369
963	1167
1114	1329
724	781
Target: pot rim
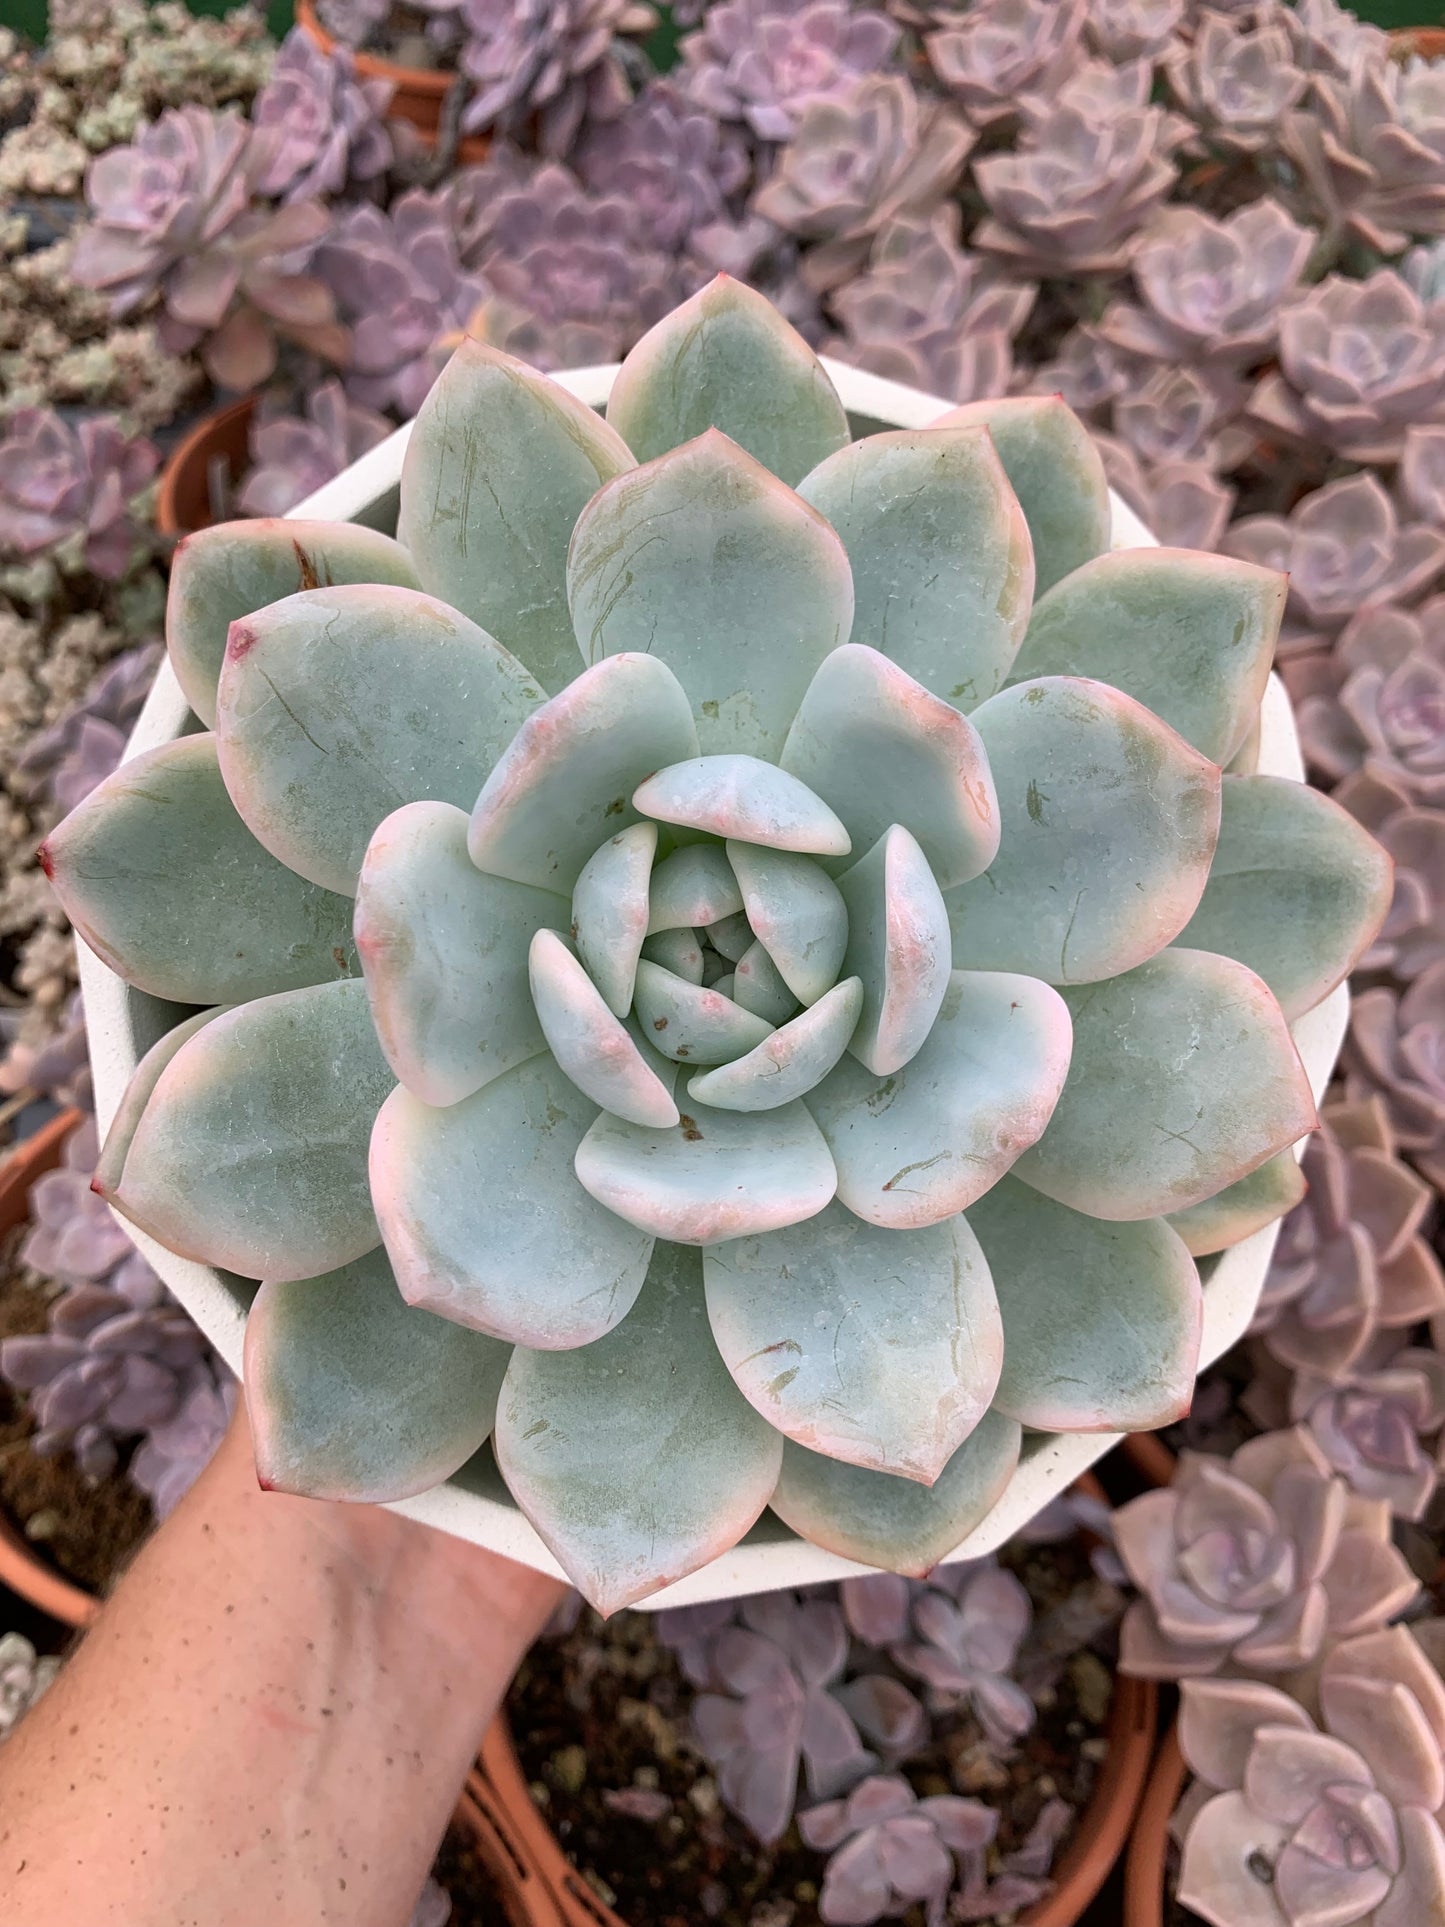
1144	1869
475	1504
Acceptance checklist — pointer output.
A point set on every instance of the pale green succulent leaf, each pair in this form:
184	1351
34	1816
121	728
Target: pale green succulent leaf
1242	1208
224	573
897	1524
137	1094
743	797
485	1222
1297	890
732	937
882	750
1190	636
500	464
919	1145
759	987
898	944
1108	820
165	882
694	886
251	1153
788	1064
1055	471
565	783
636	1458
609	912
797	913
943	569
677	951
714	1175
1184	1078
444	952
879	1347
337	706
592	1046
353	1395
690	1022
727	359
1101	1322
706	561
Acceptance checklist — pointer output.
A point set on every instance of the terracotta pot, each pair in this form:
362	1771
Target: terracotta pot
526	1901
183	498
1148	1850
22	1569
1150	1457
1417	43
418	95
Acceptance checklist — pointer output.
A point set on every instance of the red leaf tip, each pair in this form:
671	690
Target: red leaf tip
240	640
45	857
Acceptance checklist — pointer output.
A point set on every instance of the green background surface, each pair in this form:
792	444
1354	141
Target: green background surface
29	15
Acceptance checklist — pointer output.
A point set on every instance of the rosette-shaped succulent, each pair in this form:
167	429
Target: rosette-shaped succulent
1254	1563
62	485
292	455
1412	936
552	59
765	62
1377	701
1360	362
669	160
1184	503
1237	82
1396	1048
1371	151
318	128
995	59
1134	29
797	976
1296	1825
1380	1429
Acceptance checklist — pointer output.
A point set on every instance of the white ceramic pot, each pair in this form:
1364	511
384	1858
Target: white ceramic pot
124	1023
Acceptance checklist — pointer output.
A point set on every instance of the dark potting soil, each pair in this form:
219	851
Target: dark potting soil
606	1709
89	1531
476	1898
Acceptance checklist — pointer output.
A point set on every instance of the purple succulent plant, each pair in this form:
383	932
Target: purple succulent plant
1396	1048
1183	414
1360	362
174	212
66	761
671	160
964	1649
1343	546
889	1849
318	129
1184	503
352	22
1377	701
292	455
1351	1265
63	484
1422	472
1236	82
995	60
1254	1563
927	312
1211	289
1380	1429
1413	935
57	1066
1074	195
555	60
1370	149
856	164
173	1454
1134	29
765	62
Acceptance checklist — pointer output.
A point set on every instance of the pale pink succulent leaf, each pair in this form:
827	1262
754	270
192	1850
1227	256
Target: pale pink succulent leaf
1367	1584
592	1046
1229	1217
1128	1353
693	888
1418	1892
1080	767
164	881
741	797
922	1143
726	359
315	748
610	912
745	588
897	1524
1190	636
564	783
691	1023
1385	1724
791	1062
1218	1880
444	952
882	749
514	1247
1297	890
800	919
898	946
715	1175
679	951
942	564
222	574
354	1395
636	1458
137	1094
918	1344
251	1151
1218	1721
1177	1132
500	464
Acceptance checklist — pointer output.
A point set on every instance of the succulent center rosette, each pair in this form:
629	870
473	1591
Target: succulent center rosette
724	990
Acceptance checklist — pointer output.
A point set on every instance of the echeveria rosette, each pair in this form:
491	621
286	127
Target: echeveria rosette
699	948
